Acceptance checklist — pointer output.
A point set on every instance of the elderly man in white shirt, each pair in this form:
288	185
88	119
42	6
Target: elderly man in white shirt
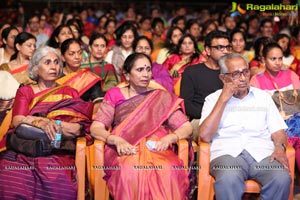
247	135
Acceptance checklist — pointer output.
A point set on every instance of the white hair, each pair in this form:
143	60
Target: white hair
223	61
36	58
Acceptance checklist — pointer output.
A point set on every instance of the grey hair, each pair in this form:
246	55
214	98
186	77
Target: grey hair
36	58
223	61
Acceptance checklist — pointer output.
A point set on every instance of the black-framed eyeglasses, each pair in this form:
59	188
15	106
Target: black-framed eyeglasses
237	74
222	47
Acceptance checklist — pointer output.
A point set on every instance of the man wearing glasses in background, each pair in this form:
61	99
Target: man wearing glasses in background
34	29
200	80
247	135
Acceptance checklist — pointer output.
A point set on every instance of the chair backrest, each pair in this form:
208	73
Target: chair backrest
205	180
80	162
96	163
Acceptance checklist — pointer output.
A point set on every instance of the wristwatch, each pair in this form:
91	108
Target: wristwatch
282	145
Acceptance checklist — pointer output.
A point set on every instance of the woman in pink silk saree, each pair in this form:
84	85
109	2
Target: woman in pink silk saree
133	169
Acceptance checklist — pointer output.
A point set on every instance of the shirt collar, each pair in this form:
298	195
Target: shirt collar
251	93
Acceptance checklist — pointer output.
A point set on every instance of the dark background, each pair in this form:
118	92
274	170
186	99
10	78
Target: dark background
9	8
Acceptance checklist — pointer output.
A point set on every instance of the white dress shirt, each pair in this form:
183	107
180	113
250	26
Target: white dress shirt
245	124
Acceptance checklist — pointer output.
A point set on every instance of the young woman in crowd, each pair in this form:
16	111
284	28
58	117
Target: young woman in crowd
101	24
275	77
8	38
159	73
96	63
144	26
192	27
173	36
289	61
126	34
158	36
179	21
238	42
185	54
76	25
110	28
24	46
59	35
256	65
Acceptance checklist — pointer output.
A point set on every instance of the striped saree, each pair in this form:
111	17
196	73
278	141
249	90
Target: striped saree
51	177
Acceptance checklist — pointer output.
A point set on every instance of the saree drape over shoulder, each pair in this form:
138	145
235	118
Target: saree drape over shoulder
145	175
176	66
106	71
51	177
86	83
82	80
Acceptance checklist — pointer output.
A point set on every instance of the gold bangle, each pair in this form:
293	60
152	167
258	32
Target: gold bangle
36	122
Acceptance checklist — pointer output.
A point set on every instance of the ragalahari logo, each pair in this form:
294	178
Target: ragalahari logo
236	10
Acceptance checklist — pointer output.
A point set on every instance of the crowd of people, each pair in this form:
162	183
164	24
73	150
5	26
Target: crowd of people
104	77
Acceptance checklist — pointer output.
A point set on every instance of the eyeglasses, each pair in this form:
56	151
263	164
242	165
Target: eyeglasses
221	47
237	74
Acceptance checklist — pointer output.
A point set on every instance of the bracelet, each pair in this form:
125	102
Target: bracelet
176	136
36	123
